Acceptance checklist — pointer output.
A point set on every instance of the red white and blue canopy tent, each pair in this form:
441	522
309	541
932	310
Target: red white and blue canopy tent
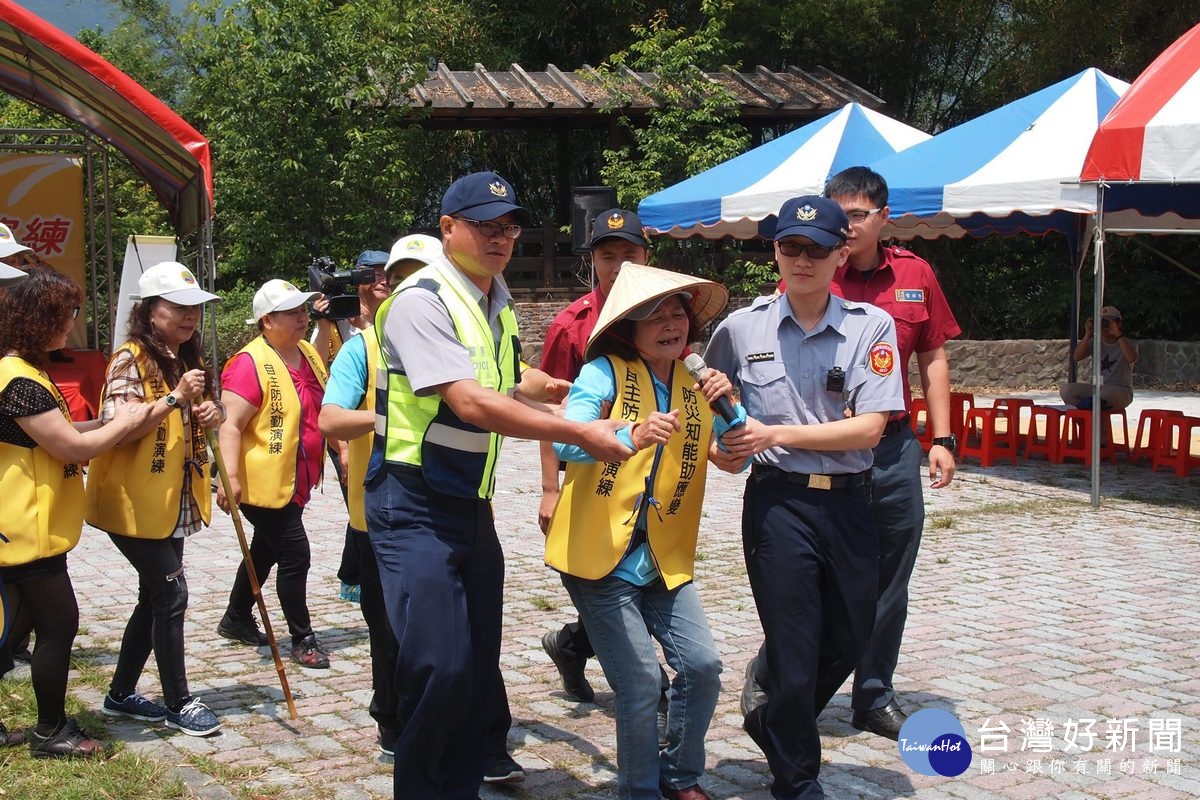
41	64
1146	156
741	196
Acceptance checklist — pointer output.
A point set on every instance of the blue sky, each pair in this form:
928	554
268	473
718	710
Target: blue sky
74	15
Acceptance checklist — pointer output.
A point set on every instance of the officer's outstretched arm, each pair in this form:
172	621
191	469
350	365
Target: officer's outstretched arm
499	413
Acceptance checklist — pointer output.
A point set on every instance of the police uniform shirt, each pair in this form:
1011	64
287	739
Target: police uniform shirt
781	371
419	337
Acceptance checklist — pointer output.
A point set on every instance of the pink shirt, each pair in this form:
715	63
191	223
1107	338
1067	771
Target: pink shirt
241	378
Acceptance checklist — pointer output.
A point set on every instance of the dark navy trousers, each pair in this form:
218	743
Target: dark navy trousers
442	573
811	558
898	514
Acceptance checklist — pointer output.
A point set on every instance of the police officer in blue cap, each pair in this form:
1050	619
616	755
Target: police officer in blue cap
818	376
449	360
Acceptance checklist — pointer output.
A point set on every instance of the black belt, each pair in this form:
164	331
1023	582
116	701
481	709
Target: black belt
843	481
895	425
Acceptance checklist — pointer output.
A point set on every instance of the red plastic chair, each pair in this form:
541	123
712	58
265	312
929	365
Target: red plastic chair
984	440
1145	441
918	419
1046	442
1076	437
960	404
1175	445
1011	407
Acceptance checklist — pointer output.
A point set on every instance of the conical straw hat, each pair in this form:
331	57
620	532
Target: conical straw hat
637	284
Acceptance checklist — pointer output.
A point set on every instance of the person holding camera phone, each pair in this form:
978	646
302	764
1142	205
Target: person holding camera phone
1117	357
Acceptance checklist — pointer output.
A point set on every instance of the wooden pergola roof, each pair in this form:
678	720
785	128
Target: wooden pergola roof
516	97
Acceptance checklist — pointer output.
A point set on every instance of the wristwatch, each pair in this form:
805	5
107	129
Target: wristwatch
172	401
949	442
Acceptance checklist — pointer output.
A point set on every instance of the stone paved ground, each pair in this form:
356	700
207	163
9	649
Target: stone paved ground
1027	604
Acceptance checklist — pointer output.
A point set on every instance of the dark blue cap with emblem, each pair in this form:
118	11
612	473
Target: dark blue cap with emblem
483	196
370	258
817	218
617	223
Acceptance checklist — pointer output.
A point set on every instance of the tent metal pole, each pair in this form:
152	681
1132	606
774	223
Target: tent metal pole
1097	304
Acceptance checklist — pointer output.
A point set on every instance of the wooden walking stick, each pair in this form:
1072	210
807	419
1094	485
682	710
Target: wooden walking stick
215	447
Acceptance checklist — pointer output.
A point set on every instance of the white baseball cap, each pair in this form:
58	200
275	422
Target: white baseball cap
10	276
278	295
172	281
9	246
415	247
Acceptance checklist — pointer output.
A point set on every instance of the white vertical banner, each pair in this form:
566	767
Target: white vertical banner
141	253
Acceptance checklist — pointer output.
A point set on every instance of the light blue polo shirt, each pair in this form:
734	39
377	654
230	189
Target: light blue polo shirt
780	372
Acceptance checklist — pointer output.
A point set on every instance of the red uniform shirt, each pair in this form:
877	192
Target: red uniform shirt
566	339
904	286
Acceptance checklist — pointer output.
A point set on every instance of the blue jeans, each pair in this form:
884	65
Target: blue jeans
623	621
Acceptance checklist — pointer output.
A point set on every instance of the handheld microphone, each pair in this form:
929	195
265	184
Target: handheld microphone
697	369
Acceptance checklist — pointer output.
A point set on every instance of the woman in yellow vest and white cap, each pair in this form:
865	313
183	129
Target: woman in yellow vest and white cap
623	535
41	482
274	454
154	490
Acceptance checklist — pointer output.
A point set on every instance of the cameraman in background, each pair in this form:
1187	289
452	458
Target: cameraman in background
369	281
1117	357
370	286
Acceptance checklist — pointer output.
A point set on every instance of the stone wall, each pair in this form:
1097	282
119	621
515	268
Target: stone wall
1006	363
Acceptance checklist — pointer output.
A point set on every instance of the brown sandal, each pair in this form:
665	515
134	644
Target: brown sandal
11	738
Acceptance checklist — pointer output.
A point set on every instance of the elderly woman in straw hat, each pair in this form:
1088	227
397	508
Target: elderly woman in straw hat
623	535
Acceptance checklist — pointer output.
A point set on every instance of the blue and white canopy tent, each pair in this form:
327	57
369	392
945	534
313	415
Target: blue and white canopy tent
739	198
1012	170
1015	170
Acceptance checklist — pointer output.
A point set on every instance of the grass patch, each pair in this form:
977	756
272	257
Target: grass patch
941	523
544	604
225	774
943	559
124	776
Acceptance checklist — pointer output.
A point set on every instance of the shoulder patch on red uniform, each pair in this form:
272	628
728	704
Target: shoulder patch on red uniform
883	359
910	295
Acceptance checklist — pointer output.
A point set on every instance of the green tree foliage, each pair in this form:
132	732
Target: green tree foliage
315	150
695	127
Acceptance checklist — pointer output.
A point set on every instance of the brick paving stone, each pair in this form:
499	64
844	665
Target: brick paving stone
1025	603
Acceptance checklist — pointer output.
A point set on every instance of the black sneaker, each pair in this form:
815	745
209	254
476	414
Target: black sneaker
11	738
69	741
194	719
309	653
501	768
571	670
387	741
134	706
246	632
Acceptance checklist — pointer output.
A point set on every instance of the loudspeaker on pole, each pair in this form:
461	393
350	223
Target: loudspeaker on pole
586	203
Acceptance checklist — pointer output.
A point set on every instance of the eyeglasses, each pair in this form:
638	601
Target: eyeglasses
488	228
859	215
75	312
814	251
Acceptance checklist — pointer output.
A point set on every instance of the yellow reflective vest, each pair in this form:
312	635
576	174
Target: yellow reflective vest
593	525
455	457
271	442
360	448
41	498
136	489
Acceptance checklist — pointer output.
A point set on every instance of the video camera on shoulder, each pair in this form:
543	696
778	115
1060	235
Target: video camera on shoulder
340	287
